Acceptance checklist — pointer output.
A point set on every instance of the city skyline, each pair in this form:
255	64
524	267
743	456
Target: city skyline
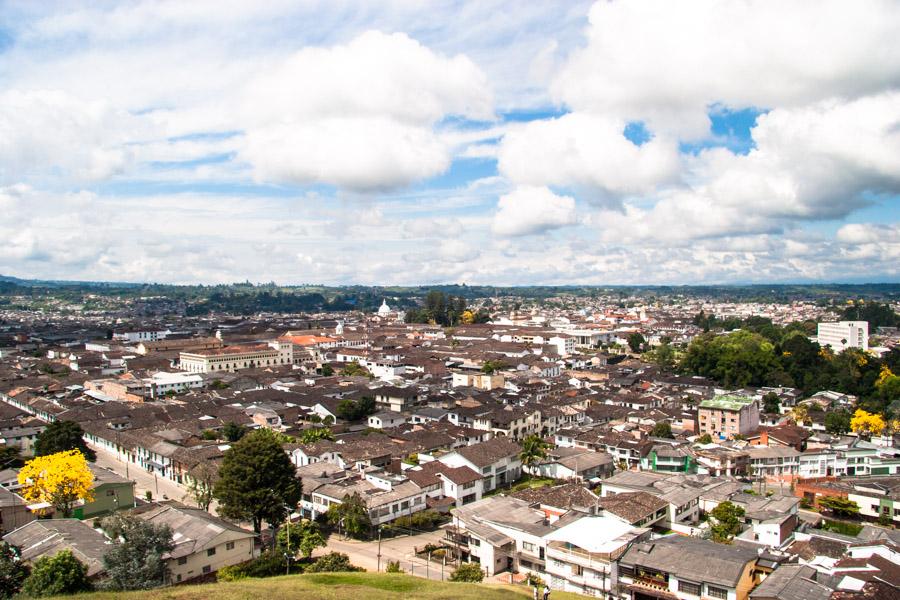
560	143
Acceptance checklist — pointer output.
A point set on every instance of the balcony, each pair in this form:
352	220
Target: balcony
577	556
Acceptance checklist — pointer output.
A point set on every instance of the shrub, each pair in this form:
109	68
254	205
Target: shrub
331	562
393	566
468	572
267	564
58	574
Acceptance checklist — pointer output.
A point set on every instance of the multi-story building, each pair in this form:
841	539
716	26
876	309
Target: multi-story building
234	358
686	568
844	334
581	554
727	415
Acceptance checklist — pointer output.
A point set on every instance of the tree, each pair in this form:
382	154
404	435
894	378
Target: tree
234	432
257	480
662	430
55	575
350	516
534	449
839	506
327	371
771	403
727	519
468	572
135	561
60	436
13	571
10	458
314	434
663	356
800	414
201	483
636	341
705	439
349	409
354	369
492	366
300	538
737	359
838	422
60	479
866	424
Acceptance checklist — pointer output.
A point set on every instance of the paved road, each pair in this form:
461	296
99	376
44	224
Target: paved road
158	486
365	554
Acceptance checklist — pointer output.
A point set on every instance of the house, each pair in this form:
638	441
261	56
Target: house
500	533
112	492
457	485
573	463
48	537
496	459
203	543
638	509
670	458
387	496
581	555
386	420
14	511
792	582
686	568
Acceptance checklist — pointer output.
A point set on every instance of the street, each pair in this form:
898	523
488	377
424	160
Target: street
160	487
365	554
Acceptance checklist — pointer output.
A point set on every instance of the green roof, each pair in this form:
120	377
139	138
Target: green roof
727	402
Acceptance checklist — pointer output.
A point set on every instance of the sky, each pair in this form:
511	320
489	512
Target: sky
412	142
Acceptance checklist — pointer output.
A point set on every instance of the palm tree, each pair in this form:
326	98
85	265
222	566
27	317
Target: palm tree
800	414
533	450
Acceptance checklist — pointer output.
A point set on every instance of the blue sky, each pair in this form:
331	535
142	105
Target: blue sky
641	141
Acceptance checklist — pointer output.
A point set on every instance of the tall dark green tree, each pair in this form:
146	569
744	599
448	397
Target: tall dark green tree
233	432
61	436
13	571
636	341
135	562
257	481
662	430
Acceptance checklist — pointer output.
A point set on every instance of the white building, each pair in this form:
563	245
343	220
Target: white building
844	334
233	358
136	336
161	383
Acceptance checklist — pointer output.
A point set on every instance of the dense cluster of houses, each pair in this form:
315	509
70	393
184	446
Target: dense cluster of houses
626	514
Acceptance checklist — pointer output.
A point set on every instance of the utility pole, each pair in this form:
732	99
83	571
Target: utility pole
427	564
443	564
378	570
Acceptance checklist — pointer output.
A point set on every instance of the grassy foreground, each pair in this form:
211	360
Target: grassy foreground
332	586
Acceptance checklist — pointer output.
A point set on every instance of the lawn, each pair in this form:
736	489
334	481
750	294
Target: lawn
331	586
523	482
842	527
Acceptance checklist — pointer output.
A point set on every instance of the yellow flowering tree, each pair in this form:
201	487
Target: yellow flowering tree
865	423
60	480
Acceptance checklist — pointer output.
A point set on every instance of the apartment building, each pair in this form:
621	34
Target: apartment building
728	415
844	334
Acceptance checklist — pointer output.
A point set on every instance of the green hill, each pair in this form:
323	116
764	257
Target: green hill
332	586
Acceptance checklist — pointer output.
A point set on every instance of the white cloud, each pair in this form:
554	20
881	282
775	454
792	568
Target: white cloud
667	62
529	210
586	150
360	116
51	135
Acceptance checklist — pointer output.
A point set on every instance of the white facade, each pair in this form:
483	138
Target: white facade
237	357
844	334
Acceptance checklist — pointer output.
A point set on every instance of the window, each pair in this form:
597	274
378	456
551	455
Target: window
716	592
182	560
211	552
689	588
229	546
528	546
626	570
207	569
